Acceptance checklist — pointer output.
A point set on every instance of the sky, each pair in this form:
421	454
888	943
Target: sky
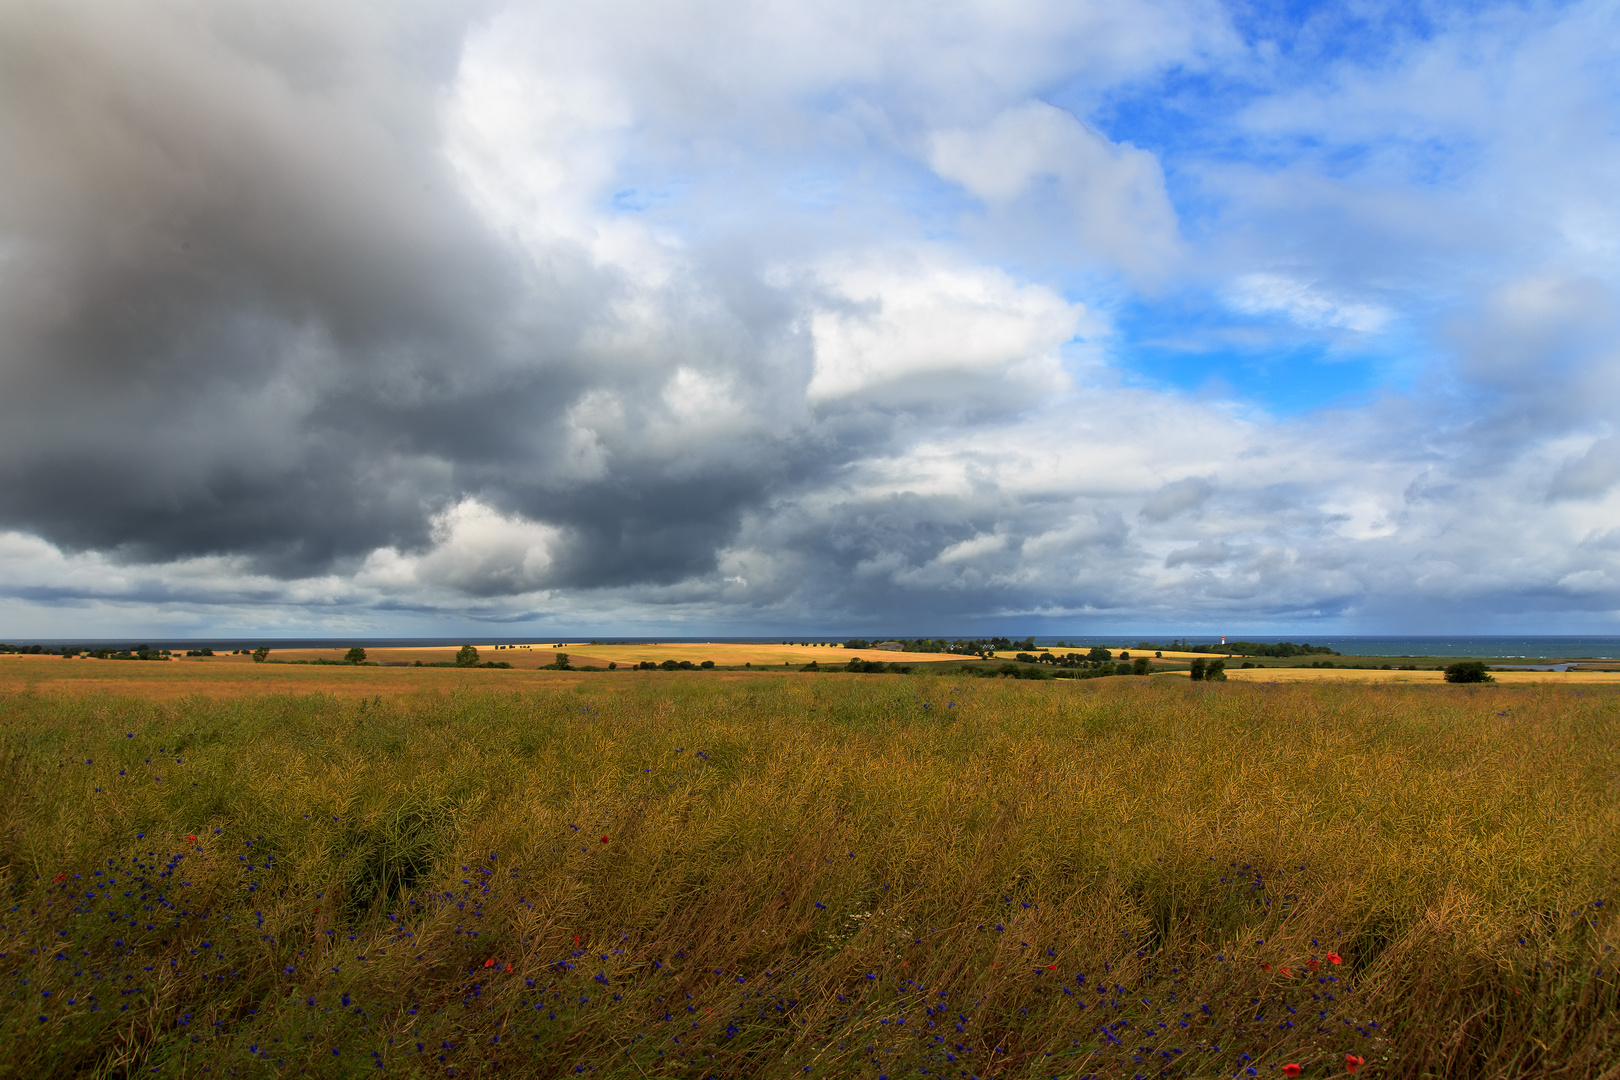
416	318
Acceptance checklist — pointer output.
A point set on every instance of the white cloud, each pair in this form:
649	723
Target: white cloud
476	551
910	325
1304	303
1108	196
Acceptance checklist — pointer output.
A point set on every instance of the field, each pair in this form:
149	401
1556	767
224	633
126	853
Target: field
258	870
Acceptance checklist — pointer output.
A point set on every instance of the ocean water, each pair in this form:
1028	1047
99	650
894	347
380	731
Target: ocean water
1529	647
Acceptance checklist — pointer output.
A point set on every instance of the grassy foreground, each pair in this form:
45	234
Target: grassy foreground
660	876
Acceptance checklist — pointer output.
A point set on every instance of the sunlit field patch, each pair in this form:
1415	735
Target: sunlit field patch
813	876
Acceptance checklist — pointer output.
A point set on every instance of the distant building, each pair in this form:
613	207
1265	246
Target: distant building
890	646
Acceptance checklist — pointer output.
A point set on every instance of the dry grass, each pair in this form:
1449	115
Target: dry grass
1392	677
850	875
725	654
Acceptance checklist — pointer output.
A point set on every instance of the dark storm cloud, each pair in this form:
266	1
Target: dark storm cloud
207	246
248	309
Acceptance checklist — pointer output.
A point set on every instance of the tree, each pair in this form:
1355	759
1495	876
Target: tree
1197	671
356	655
261	654
1468	671
1098	654
1216	672
466	656
1142	666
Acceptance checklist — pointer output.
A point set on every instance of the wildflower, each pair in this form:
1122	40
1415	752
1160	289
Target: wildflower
1291	1069
1352	1062
604	839
1333	958
1313	963
58	879
490	962
191	838
1285	972
1265	966
508	967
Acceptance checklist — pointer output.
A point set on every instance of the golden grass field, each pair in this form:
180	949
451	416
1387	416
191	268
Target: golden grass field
236	675
238	869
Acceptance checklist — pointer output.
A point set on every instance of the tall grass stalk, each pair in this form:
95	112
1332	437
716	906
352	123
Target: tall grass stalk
665	876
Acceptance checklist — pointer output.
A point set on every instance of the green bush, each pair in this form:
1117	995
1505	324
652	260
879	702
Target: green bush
1468	671
466	656
356	655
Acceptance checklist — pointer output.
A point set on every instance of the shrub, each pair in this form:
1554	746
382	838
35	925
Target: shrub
466	656
1468	671
261	654
356	655
1196	673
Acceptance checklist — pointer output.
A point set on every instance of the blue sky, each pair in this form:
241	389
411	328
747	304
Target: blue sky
744	318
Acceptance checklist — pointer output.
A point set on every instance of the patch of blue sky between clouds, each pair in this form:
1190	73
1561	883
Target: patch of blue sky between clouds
1195	344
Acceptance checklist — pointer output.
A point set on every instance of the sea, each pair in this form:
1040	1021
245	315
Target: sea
1524	646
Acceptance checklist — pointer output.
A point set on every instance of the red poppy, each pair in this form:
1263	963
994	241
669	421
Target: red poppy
1051	967
1265	967
1333	958
604	839
59	878
508	967
192	837
490	962
1352	1062
576	941
1313	963
1285	972
1291	1069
